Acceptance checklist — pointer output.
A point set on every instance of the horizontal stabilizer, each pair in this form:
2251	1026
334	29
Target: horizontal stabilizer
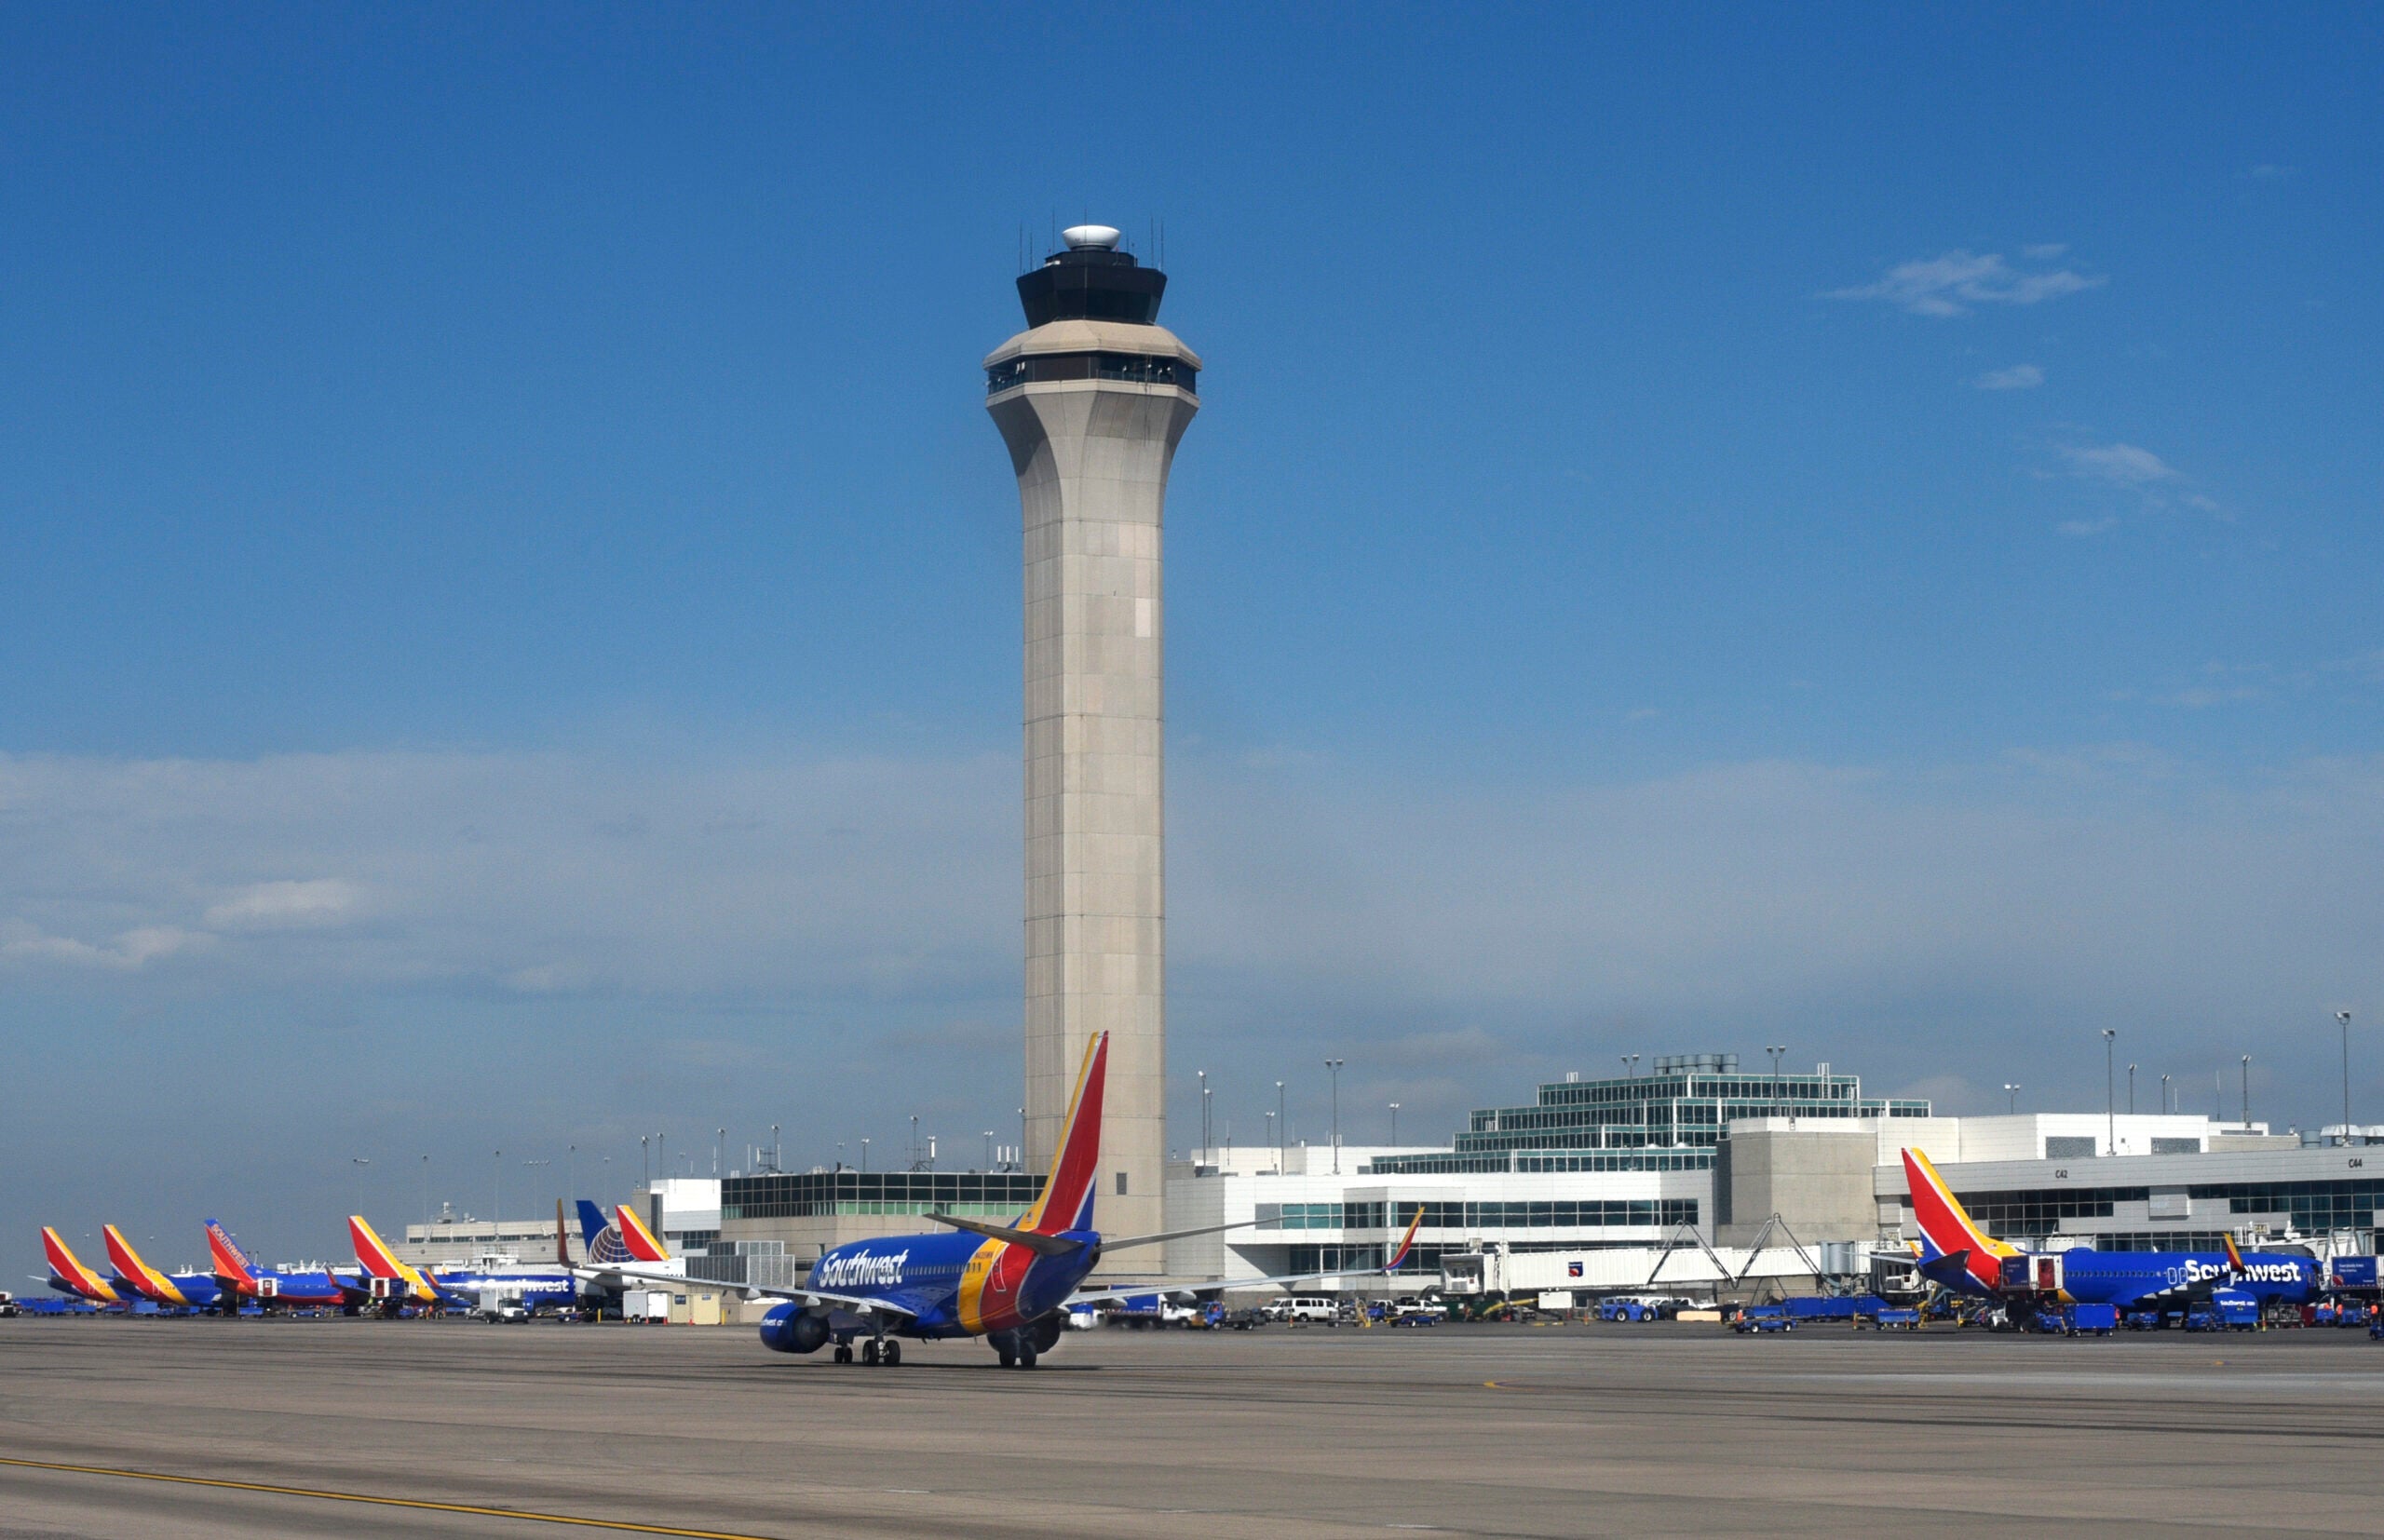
1034	1240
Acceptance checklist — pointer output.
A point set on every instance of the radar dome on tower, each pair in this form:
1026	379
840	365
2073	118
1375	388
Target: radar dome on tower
1089	238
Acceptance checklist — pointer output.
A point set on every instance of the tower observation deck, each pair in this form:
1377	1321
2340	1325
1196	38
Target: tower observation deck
1092	400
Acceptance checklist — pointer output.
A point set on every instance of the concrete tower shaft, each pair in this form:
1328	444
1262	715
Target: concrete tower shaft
1092	401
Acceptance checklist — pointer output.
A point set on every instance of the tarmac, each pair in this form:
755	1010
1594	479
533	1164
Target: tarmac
197	1429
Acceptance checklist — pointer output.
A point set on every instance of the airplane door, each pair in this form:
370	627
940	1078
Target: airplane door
2048	1274
269	1288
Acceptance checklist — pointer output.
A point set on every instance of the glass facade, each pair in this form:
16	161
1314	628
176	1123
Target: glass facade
2347	1205
2312	1207
977	1195
1670	1120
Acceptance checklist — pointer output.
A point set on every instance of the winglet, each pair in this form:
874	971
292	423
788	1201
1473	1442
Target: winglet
1406	1242
1066	1200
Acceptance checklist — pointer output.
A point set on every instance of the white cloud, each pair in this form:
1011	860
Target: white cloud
124	952
2017	377
2081	529
2118	464
1949	284
285	905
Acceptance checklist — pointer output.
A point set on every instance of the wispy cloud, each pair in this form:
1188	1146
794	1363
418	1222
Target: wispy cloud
2117	464
1951	284
2082	529
2017	377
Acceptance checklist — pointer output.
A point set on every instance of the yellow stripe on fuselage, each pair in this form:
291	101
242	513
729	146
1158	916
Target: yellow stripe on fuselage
972	1285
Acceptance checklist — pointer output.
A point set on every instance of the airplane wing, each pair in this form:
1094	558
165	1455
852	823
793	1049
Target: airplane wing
1163	1286
1125	1241
862	1303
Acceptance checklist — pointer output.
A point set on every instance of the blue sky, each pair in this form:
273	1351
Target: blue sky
1851	527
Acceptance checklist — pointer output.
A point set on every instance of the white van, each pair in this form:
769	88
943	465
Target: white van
1315	1309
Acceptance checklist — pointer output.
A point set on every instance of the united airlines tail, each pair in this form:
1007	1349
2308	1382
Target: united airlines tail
72	1272
1951	1243
145	1278
1066	1200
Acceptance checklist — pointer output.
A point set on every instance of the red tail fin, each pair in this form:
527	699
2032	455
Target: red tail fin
1066	1203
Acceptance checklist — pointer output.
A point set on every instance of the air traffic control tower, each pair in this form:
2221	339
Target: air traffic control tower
1092	399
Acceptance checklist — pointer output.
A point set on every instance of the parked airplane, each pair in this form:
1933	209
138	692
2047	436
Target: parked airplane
397	1284
241	1280
1009	1284
168	1290
1959	1255
68	1275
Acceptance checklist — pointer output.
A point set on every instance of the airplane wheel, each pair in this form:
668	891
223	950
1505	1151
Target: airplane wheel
1026	1356
892	1358
869	1353
1009	1360
844	1352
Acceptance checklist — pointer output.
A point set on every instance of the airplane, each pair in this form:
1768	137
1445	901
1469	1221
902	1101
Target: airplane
238	1278
1010	1284
397	1284
168	1291
1957	1255
68	1275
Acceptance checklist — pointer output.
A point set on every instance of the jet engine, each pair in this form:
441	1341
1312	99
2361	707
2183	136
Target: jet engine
792	1328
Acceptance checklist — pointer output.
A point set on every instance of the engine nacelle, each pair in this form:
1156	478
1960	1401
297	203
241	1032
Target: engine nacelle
1045	1333
792	1328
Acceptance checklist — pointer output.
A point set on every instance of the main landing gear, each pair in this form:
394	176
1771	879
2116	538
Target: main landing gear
1015	1349
877	1351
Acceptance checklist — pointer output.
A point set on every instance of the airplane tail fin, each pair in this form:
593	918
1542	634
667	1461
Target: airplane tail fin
1066	1200
591	1224
68	1266
372	1253
229	1260
563	1245
2234	1257
641	1243
120	1252
1946	1226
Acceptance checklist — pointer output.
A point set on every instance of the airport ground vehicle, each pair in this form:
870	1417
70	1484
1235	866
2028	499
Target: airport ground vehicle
1308	1309
1763	1319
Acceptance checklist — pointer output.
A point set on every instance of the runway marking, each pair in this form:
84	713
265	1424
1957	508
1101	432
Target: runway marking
387	1502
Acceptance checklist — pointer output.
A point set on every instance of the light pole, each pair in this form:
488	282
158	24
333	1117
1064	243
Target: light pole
360	1162
644	1157
1203	1077
1776	1050
1270	1139
1394	1123
2164	1094
1022	1138
864	1157
778	1151
989	1149
1207	1121
915	1142
534	1164
719	1151
2110	1087
426	1193
1335	1065
497	1198
607	1187
1283	1126
2247	1093
2344	1016
2011	1096
2130	1090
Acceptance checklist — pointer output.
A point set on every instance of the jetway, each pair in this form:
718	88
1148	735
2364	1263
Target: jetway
1685	1265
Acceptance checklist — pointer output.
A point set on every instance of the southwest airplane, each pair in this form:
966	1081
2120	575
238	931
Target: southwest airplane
168	1291
1956	1254
397	1284
1009	1284
68	1275
241	1280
